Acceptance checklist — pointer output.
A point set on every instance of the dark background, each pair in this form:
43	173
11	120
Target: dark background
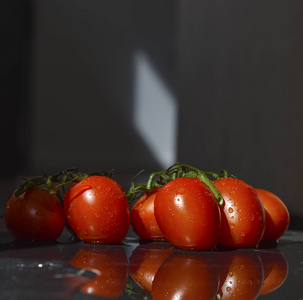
134	85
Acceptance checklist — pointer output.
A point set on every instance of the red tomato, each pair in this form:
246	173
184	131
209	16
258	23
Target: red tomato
34	215
143	218
97	210
277	215
188	214
243	279
187	275
145	262
242	214
110	266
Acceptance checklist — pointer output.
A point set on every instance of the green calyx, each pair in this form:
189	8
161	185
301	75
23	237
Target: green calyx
53	183
159	179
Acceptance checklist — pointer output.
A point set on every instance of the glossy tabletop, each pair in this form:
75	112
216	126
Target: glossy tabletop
72	269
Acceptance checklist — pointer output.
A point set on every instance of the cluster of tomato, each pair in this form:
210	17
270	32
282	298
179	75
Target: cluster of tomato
95	207
181	205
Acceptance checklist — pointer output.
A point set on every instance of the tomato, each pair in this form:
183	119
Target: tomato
145	262
243	278
277	215
143	218
187	275
242	213
188	214
97	210
111	268
275	269
34	215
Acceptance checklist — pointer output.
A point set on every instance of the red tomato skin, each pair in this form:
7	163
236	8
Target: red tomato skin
277	215
242	214
188	214
97	210
34	215
143	218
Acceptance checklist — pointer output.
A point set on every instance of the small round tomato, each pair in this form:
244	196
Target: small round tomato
34	215
242	214
110	266
188	214
143	218
243	279
187	275
97	210
277	215
145	262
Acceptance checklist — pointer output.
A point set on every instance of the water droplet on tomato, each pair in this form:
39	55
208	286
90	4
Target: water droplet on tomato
230	210
242	234
251	217
249	282
232	192
231	274
242	267
181	191
236	203
99	187
228	289
260	217
232	226
239	210
108	188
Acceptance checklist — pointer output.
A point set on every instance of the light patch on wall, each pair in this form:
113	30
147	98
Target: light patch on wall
155	112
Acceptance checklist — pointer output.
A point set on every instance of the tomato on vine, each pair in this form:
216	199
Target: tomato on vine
97	210
34	215
277	215
143	218
242	214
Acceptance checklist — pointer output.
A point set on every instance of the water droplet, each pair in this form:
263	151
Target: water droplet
251	217
242	267
242	234
108	188
230	210
236	203
207	193
181	191
239	210
249	282
228	289
232	226
260	217
232	192
231	274
99	187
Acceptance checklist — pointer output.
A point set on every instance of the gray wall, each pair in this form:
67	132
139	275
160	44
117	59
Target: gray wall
131	85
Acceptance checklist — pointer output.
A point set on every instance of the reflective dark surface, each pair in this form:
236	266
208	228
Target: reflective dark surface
71	269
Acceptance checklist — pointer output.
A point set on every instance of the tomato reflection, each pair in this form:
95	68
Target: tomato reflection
145	262
110	265
275	269
187	275
241	275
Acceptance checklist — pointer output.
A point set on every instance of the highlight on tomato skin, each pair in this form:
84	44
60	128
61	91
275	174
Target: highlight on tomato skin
110	265
242	214
143	218
277	215
275	269
187	275
34	215
97	210
145	262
